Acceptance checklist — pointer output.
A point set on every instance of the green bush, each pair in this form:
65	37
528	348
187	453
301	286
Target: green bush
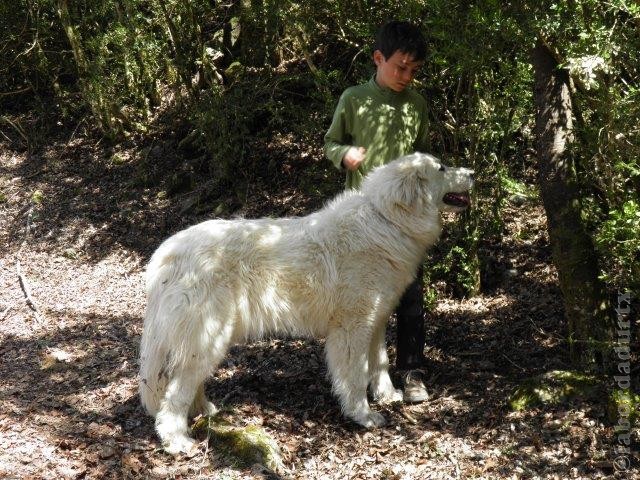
618	241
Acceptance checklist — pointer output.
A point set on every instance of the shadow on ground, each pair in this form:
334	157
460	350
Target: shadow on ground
476	360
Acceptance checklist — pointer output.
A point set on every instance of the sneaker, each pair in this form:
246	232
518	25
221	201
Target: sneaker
413	386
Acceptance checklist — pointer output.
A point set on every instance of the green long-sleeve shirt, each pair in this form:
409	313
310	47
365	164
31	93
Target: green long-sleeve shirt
388	124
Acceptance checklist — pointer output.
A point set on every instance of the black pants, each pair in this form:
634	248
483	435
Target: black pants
411	334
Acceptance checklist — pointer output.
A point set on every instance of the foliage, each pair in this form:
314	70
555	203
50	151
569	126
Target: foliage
456	264
106	49
228	120
619	243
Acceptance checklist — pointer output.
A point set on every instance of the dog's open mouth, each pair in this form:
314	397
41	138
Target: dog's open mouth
457	199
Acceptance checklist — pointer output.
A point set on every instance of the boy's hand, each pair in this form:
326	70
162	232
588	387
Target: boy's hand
353	158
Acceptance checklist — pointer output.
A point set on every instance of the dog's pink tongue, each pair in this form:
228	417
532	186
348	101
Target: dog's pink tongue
458	199
462	197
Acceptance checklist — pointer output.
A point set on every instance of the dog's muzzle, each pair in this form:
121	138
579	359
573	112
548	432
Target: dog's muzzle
461	199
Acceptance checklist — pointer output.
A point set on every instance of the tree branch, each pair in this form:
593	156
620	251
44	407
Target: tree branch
15	92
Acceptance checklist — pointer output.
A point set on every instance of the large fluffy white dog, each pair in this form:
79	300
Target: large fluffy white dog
337	273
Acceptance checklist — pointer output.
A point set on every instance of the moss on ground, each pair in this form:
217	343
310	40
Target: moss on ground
553	388
623	405
245	446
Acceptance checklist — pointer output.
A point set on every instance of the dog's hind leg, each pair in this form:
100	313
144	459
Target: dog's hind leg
347	358
185	392
171	419
201	404
382	388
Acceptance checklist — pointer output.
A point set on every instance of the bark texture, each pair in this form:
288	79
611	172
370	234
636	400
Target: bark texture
572	248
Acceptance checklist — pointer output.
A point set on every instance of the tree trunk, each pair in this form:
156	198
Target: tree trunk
573	253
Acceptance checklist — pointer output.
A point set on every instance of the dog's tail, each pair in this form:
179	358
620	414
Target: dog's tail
159	335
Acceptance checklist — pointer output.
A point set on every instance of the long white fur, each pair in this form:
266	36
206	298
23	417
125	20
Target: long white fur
335	274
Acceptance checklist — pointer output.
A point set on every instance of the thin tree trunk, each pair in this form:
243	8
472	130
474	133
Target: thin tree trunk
184	71
144	81
92	96
585	303
252	33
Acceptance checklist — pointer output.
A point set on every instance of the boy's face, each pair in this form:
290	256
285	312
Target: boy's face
397	71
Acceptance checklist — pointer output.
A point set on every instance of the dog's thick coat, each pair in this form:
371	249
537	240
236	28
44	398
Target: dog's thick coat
336	274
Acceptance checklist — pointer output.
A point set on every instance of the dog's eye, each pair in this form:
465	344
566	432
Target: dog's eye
442	168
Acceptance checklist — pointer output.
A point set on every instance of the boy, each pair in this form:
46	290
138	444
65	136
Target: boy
373	124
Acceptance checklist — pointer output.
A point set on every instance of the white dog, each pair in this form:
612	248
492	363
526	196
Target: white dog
337	273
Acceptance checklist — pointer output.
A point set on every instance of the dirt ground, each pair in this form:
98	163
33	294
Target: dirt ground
76	227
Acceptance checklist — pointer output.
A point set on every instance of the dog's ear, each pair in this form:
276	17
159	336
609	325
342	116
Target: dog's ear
409	187
401	185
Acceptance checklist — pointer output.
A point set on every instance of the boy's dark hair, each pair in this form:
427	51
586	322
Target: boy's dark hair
400	35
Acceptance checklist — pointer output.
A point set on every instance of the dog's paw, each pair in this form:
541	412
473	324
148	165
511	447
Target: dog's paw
204	407
371	420
180	444
389	396
209	408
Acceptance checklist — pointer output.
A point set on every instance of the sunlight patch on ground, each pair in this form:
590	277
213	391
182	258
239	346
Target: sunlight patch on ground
480	305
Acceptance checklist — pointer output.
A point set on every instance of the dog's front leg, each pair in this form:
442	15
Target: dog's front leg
382	388
347	358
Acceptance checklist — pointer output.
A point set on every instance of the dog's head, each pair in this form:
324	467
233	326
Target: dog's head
417	185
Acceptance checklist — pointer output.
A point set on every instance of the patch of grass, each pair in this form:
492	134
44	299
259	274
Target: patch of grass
70	253
118	159
37	197
517	191
510	450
